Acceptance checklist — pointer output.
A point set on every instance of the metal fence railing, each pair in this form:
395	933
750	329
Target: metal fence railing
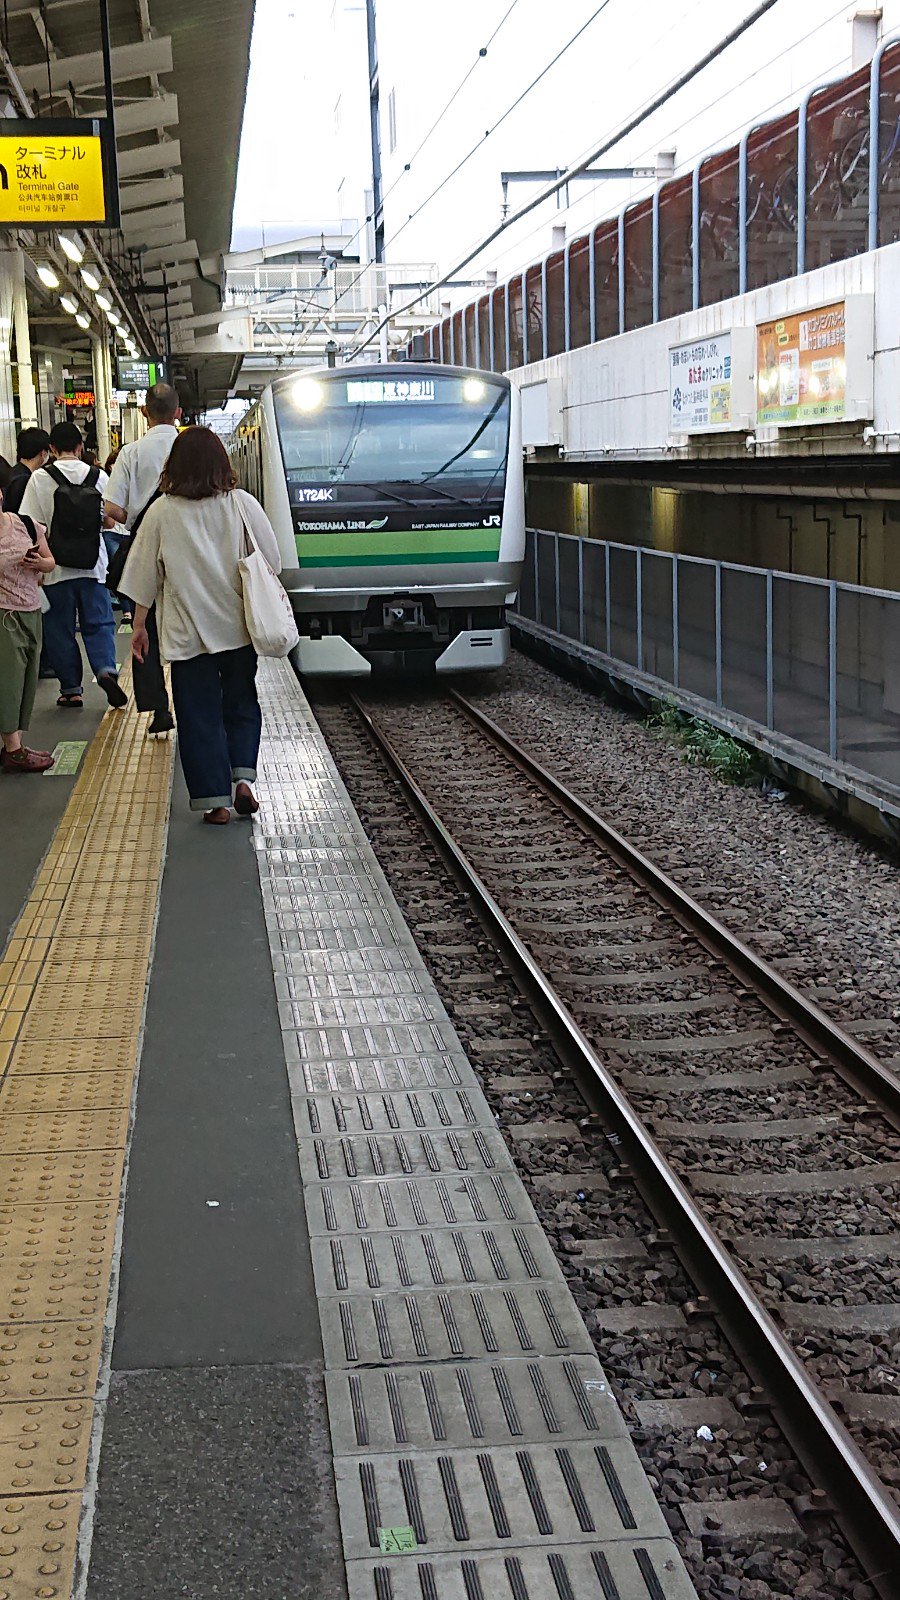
813	660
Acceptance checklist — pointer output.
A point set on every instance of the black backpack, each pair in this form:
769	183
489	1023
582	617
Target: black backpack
74	536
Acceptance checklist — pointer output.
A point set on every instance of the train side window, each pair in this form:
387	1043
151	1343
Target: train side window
719	252
676	271
837	171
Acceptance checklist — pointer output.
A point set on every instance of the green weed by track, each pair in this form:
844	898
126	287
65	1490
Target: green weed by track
702	745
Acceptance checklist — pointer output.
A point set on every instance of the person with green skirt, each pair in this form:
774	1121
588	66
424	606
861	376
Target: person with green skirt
24	558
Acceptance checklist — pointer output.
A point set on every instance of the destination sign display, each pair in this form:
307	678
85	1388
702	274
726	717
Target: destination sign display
138	374
385	391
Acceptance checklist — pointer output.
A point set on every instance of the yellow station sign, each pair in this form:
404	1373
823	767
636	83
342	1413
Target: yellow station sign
48	179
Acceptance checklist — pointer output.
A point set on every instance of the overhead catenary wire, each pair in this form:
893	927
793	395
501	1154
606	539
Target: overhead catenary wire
609	143
500	120
455	96
821	75
434	126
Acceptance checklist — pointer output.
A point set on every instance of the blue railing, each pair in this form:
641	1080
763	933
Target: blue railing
809	659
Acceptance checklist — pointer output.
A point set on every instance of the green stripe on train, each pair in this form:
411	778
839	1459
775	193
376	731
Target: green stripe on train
417	542
431	558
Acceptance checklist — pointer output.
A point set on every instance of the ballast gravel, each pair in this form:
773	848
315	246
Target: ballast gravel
579	1200
794	883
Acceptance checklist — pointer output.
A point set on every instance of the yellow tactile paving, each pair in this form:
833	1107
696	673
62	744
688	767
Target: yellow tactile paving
84	957
48	1179
85	1022
44	1444
54	1259
61	1092
125	989
49	1361
81	1055
38	1537
28	1133
73	980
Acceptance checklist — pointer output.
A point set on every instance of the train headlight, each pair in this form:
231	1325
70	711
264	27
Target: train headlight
473	389
307	395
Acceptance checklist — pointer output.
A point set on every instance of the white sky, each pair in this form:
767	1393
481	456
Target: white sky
283	173
289	168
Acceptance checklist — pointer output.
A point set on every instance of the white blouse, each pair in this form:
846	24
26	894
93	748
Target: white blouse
185	559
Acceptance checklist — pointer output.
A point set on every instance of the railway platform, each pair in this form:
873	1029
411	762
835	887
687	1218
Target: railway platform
280	1319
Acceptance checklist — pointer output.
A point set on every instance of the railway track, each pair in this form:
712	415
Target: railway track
762	1136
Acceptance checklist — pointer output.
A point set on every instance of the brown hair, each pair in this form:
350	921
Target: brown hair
198	466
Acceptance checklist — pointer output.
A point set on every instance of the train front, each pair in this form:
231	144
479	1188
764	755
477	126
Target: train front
403	487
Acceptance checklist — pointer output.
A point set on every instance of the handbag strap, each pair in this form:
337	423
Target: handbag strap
250	544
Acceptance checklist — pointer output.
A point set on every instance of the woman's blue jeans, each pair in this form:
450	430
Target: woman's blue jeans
219	723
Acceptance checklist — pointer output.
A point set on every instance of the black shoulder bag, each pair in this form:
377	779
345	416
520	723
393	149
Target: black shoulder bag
119	557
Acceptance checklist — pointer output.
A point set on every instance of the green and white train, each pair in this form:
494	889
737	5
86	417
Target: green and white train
397	495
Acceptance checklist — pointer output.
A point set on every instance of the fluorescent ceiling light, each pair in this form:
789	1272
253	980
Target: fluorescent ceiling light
71	246
104	302
47	276
69	304
91	277
82	320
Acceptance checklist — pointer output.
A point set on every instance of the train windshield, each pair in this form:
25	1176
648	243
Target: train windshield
430	432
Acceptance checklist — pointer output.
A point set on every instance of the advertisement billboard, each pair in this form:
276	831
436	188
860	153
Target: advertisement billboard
801	367
700	377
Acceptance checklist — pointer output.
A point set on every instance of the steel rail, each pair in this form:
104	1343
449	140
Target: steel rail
825	1037
856	1497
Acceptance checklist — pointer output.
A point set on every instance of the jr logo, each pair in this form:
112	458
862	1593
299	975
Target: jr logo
490	522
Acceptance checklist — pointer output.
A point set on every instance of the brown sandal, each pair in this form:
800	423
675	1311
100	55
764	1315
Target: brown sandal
218	816
70	702
245	801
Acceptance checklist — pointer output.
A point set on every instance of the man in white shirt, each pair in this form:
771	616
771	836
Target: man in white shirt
134	480
135	475
77	596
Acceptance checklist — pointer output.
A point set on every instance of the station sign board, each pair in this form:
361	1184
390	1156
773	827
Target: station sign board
138	374
57	171
84	399
700	385
801	367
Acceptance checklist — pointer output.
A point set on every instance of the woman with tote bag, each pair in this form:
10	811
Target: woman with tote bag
207	556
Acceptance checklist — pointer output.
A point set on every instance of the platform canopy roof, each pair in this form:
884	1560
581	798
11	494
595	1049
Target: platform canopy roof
180	77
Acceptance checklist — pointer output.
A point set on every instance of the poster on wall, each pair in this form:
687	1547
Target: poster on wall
801	367
700	385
